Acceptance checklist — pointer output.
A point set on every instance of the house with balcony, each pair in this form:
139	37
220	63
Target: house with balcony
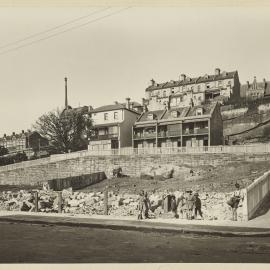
112	125
189	126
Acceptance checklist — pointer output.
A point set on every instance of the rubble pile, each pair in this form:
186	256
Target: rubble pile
214	205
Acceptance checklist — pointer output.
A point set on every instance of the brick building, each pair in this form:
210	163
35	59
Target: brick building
112	125
193	91
24	142
255	90
189	126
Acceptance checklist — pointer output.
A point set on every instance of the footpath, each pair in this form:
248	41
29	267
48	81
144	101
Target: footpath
258	227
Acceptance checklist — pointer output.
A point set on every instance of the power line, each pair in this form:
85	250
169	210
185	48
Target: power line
53	28
64	31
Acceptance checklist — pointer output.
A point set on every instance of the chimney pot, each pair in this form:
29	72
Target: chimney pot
217	71
183	77
128	103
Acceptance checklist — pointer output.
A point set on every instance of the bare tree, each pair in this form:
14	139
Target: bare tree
66	130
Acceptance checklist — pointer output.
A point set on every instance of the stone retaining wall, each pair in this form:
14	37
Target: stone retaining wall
131	165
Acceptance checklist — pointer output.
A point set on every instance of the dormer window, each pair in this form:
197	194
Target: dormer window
150	116
206	76
174	114
199	111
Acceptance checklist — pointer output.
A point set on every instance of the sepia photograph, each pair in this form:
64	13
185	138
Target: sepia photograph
135	133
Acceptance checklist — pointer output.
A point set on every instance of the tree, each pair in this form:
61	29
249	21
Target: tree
66	130
3	151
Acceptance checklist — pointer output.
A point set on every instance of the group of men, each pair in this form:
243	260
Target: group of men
187	204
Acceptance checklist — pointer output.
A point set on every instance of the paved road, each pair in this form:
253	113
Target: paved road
26	243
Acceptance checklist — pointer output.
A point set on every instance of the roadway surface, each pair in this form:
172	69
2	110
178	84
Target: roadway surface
41	243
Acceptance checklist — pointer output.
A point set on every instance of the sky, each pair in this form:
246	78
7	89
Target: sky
115	57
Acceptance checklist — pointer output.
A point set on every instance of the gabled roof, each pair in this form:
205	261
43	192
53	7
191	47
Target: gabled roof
19	136
184	113
187	81
157	115
113	107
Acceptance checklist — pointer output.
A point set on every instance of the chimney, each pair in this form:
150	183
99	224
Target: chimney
5	135
255	83
22	131
131	105
66	98
116	102
217	71
128	103
143	101
152	82
145	108
264	83
248	84
13	133
182	77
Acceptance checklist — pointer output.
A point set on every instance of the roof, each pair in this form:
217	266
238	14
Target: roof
184	113
260	86
187	81
157	115
112	107
18	135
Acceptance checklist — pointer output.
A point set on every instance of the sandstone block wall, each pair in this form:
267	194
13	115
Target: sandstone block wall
131	165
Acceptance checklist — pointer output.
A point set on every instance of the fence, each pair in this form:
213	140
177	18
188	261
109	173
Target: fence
255	194
235	149
76	182
259	148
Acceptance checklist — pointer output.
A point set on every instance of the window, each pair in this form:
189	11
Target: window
207	85
106	116
219	83
115	115
199	87
113	130
150	116
199	111
164	93
174	114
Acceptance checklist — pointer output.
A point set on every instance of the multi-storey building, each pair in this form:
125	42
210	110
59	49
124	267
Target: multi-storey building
112	125
199	125
255	90
193	91
23	141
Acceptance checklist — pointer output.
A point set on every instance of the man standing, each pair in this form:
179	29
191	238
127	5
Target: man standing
198	205
237	197
189	204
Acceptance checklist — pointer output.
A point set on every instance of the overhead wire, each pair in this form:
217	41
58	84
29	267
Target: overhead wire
53	28
64	31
